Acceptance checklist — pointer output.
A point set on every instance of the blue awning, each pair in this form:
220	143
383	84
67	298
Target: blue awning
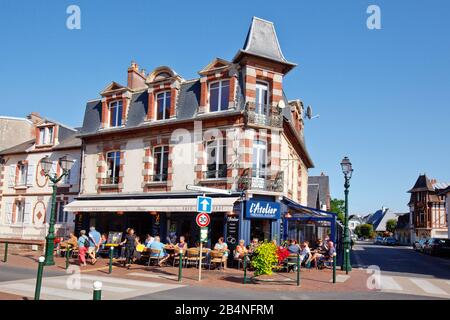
297	211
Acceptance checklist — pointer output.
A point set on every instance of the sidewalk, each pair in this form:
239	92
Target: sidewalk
311	280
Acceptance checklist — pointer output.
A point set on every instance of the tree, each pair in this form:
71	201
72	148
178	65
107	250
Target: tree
338	206
366	230
391	224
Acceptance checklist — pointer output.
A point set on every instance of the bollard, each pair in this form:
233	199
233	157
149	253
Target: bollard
180	266
111	254
298	269
5	258
97	290
245	268
67	256
37	291
334	267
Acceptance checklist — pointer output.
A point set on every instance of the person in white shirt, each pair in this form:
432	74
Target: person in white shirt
305	252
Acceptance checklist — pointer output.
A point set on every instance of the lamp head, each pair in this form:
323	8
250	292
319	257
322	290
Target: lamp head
46	164
346	166
66	163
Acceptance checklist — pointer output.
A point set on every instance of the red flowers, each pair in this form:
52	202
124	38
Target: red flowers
282	254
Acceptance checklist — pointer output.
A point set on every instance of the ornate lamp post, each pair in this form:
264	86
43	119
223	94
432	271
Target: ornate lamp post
347	170
66	164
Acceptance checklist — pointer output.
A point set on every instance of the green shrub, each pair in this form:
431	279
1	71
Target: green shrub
265	258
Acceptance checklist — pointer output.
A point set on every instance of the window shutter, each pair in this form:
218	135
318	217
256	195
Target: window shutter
74	173
27	213
30	175
9	212
12	175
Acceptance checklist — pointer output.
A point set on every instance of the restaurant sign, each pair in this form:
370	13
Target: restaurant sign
255	209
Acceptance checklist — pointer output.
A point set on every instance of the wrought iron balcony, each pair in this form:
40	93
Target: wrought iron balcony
261	180
221	173
271	118
110	181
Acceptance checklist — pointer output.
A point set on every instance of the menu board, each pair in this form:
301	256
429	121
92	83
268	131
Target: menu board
114	238
232	230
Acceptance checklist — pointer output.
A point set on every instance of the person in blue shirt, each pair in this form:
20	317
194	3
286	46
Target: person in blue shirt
94	243
158	245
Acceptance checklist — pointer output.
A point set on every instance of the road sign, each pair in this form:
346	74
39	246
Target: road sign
207	190
204	234
204	204
202	220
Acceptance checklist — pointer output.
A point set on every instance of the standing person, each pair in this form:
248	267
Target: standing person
94	243
130	246
83	244
223	247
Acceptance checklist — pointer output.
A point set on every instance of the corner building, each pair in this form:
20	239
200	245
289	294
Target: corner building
231	128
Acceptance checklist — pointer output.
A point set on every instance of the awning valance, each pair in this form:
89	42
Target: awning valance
161	205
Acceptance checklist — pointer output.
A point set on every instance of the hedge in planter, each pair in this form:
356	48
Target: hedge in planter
265	258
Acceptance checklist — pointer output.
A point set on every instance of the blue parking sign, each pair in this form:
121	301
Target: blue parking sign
204	204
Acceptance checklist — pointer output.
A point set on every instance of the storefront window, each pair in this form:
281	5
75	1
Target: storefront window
261	229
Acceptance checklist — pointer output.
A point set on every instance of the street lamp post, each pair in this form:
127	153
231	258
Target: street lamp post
347	170
66	164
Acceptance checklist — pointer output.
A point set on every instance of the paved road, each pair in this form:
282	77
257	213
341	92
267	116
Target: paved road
404	271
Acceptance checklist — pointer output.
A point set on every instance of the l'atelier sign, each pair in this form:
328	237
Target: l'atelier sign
262	210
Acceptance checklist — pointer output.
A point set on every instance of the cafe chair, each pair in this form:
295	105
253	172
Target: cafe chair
216	259
154	256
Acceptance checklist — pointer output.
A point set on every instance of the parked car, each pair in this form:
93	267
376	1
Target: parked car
391	241
378	240
418	244
437	246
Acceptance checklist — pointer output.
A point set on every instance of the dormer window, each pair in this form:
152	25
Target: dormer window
219	93
163	105
46	135
115	114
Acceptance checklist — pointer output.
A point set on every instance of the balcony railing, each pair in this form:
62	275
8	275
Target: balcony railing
273	118
261	180
110	181
221	173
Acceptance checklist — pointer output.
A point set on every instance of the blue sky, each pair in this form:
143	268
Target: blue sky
382	95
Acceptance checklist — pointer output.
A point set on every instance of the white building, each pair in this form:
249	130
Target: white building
25	191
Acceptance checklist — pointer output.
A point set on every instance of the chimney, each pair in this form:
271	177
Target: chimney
34	117
136	78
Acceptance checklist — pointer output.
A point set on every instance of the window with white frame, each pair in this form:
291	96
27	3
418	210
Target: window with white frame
113	167
46	135
61	215
20	212
23	172
216	153
219	93
163	105
262	98
259	159
161	165
115	113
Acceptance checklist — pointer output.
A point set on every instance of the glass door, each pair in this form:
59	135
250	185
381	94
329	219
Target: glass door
262	102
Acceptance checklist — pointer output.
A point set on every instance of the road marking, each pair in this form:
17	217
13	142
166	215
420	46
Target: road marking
130	282
388	283
49	291
341	278
428	287
86	285
149	275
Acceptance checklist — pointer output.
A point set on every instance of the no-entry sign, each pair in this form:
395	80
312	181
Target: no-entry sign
202	219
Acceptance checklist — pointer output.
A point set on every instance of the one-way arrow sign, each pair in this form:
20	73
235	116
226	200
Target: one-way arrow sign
204	204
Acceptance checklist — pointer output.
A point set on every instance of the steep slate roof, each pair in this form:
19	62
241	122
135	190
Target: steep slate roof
422	184
262	41
22	147
320	188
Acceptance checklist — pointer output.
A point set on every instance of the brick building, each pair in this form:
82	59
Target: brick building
231	128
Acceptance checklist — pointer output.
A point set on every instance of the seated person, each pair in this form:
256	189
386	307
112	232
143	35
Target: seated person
223	247
241	250
293	248
305	252
253	245
182	245
149	240
327	255
72	241
158	245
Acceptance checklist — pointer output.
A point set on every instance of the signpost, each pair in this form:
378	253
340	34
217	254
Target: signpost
204	206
